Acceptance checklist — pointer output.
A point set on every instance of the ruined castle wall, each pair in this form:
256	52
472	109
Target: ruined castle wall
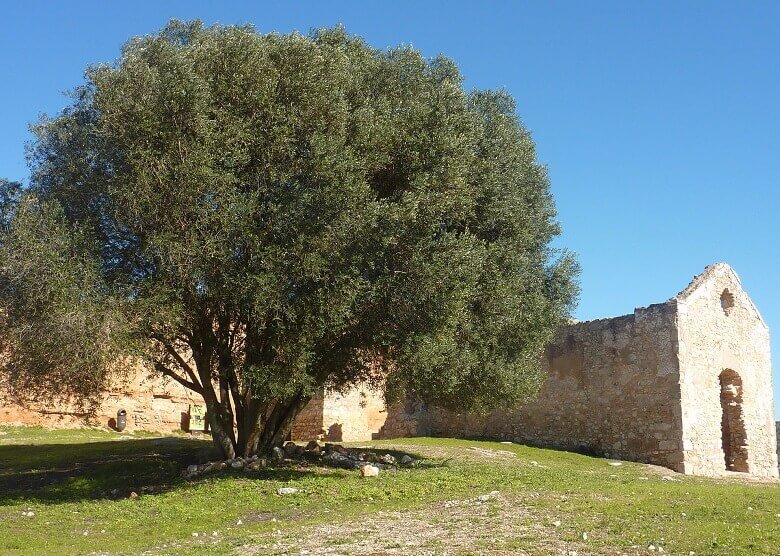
151	404
612	389
716	337
352	416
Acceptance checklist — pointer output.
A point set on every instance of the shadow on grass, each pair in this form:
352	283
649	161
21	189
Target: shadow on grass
57	473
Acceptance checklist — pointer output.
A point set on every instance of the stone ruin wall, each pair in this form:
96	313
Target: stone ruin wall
357	415
612	390
717	338
641	387
151	405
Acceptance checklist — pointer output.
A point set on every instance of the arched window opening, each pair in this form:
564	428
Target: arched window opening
734	439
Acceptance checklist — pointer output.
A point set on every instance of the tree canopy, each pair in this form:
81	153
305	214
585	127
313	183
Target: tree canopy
257	216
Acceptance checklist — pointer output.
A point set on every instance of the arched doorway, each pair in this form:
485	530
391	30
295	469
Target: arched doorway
732	422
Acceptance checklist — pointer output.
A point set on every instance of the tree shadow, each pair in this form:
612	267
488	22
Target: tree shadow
59	473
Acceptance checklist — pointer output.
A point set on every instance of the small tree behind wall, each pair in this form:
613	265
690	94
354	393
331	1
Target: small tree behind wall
258	215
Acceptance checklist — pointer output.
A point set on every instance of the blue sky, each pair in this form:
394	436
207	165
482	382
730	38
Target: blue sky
659	122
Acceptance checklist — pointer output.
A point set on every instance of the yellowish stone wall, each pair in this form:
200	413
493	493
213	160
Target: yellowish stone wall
151	405
612	390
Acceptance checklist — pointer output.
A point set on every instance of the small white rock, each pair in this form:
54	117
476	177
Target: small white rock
369	471
584	536
557	523
286	490
615	463
239	522
194	534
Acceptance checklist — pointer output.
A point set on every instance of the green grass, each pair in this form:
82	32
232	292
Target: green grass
77	483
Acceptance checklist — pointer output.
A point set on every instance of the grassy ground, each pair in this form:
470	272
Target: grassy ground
78	485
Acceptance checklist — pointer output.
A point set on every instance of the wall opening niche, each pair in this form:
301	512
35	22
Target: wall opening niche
727	301
733	437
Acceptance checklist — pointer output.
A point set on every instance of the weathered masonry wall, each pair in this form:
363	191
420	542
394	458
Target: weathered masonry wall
351	416
357	415
725	379
151	405
612	390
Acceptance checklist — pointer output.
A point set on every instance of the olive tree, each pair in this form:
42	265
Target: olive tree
257	216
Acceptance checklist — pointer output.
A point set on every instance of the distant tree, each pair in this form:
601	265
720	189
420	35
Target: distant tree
257	216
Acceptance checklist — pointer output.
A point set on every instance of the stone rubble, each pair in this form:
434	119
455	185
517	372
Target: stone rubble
330	455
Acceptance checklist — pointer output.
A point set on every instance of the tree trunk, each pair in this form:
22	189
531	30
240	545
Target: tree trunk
268	427
222	438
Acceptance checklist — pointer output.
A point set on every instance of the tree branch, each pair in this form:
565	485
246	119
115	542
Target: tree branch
178	358
183	381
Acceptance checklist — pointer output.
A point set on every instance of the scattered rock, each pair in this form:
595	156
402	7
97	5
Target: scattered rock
239	522
388	459
584	536
369	471
28	514
342	461
286	490
292	450
330	448
556	523
615	463
408	460
237	464
134	494
668	478
192	469
312	446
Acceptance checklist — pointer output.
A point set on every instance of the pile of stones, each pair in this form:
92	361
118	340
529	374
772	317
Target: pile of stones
332	455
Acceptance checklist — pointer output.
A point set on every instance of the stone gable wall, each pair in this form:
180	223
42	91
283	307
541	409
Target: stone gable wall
715	338
612	390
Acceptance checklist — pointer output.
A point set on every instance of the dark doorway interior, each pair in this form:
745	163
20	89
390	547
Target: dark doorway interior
734	438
